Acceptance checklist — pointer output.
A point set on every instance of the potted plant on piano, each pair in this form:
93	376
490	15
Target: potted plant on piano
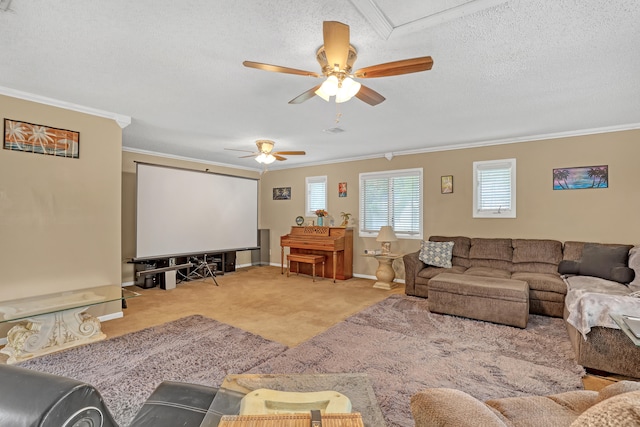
321	213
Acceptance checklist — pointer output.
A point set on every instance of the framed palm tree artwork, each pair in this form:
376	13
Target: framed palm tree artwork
41	139
577	178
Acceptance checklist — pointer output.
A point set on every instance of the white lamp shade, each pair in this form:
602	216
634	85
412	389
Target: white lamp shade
348	90
267	159
386	234
328	88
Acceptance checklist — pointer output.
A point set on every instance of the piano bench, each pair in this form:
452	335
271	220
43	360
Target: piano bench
306	259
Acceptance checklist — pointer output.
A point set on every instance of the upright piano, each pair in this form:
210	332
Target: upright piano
335	243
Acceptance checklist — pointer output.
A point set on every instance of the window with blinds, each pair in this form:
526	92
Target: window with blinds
391	198
494	190
316	194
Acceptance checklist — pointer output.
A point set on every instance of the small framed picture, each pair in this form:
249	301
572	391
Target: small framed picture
282	193
342	189
446	184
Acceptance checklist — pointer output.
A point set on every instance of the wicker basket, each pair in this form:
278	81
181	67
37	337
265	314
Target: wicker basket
291	420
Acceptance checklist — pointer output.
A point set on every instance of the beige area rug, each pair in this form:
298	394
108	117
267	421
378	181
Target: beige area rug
404	348
398	343
126	369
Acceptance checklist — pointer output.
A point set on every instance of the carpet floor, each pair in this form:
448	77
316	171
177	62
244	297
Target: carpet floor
397	342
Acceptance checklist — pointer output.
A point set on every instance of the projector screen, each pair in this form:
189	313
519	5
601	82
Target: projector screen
185	212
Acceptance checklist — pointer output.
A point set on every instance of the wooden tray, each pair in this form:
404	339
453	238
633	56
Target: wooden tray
291	420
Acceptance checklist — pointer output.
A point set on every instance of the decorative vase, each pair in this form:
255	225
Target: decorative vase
320	219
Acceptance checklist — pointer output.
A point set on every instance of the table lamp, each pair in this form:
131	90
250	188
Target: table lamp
386	236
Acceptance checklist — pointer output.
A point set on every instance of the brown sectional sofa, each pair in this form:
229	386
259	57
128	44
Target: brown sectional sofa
615	405
530	260
536	262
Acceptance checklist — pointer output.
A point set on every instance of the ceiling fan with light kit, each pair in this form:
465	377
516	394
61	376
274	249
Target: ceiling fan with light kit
265	153
336	58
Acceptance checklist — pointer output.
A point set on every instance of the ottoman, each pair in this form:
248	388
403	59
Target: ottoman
492	299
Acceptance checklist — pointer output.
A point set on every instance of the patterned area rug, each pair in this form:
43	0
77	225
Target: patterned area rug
400	345
404	348
126	369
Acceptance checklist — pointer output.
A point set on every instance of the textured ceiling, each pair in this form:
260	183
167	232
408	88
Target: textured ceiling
503	71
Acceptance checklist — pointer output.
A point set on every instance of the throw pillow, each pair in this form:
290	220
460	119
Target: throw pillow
568	267
607	262
437	254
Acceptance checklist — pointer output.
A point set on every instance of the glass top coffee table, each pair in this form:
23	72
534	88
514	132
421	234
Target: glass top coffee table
53	322
356	387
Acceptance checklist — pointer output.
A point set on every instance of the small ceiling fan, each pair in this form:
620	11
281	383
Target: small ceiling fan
336	57
265	153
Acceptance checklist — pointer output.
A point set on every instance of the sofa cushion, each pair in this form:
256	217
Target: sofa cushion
488	272
461	247
547	296
606	261
538	256
534	411
572	251
533	250
542	281
617	388
493	253
622	410
429	272
437	254
438	407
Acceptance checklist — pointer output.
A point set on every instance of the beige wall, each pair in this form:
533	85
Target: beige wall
60	217
602	215
129	160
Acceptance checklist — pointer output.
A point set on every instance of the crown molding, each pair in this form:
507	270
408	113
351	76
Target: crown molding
122	120
374	16
187	159
381	24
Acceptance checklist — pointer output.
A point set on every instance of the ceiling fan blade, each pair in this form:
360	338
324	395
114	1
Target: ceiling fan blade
278	157
236	149
250	155
290	153
336	43
305	95
395	68
369	96
279	69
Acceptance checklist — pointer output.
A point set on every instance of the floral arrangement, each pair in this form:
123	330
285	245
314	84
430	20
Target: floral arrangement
321	212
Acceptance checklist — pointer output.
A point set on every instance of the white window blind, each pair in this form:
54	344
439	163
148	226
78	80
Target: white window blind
391	198
494	192
316	194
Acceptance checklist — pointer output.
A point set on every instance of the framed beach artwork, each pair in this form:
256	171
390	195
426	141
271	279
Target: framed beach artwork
577	178
41	139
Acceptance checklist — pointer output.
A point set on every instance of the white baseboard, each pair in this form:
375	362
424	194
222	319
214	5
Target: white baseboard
128	284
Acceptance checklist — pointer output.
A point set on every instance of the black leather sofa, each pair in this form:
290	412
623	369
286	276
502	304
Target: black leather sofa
36	399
